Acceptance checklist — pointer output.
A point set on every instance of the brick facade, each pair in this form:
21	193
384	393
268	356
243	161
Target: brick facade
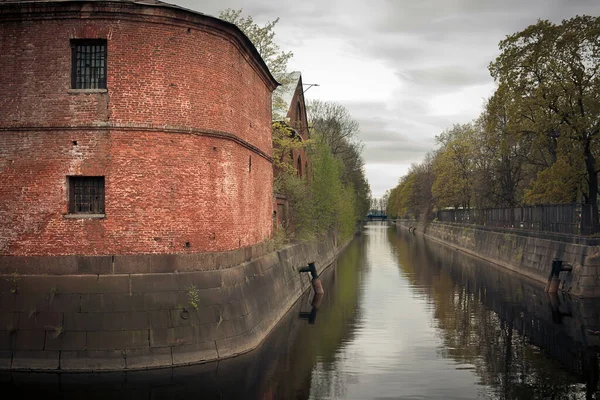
299	121
294	107
182	134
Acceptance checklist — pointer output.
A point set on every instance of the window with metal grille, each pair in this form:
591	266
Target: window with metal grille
88	63
86	195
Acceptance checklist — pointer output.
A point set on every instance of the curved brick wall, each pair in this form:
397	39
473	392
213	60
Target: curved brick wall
187	107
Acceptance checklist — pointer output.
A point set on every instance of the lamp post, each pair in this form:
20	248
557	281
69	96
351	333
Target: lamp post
309	86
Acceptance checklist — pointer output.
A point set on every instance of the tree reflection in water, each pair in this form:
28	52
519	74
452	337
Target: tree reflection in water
402	317
518	339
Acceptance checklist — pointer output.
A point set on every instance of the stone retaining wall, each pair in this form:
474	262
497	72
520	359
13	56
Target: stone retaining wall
525	254
136	321
563	326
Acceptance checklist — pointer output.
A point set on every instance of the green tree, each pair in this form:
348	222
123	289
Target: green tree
334	126
454	167
413	196
501	154
556	184
338	193
552	72
285	140
322	204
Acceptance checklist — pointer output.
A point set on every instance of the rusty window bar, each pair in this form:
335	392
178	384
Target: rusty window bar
86	195
88	63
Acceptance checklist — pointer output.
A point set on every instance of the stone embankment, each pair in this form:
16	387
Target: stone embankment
527	253
201	312
561	325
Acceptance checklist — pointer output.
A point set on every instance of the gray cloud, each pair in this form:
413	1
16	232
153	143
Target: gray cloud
448	77
395	152
421	66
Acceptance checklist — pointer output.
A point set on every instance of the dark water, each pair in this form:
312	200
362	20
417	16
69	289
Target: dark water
402	318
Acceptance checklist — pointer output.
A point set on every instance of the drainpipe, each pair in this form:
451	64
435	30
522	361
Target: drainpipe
557	268
316	282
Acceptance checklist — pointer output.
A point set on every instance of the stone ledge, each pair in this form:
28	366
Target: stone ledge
35	360
86	91
132	264
84	216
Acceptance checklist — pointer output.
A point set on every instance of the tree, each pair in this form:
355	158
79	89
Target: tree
501	154
285	140
552	73
336	126
556	184
338	194
263	38
413	196
454	167
324	203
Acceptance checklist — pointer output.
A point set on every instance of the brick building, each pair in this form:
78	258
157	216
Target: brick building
292	110
289	107
130	127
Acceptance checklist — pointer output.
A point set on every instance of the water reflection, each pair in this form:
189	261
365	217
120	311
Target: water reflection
521	342
401	318
278	369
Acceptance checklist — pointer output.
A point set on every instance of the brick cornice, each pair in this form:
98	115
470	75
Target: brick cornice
145	128
142	13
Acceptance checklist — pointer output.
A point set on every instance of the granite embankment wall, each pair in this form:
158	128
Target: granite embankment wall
136	321
527	253
563	326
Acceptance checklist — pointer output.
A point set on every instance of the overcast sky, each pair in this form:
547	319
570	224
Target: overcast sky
406	69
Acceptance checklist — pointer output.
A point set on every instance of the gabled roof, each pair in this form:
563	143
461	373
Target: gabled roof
284	94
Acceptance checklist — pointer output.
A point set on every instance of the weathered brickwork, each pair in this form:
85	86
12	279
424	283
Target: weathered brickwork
182	133
162	191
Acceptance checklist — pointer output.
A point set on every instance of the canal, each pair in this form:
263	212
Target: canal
401	318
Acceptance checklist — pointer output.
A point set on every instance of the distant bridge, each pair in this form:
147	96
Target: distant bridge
376	217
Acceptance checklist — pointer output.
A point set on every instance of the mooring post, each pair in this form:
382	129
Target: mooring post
310	268
311	316
553	278
316	302
317	286
316	282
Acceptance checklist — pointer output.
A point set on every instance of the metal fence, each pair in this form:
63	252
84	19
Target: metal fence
575	219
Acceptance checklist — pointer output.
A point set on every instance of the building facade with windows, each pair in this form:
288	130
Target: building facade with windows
130	127
289	107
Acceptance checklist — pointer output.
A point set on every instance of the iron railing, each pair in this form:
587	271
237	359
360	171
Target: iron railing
575	219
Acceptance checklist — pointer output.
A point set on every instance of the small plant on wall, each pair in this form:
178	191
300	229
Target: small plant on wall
14	279
193	296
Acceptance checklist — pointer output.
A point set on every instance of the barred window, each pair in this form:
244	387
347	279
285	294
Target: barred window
88	63
86	194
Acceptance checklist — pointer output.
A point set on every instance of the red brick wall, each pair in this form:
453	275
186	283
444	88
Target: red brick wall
165	186
300	123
